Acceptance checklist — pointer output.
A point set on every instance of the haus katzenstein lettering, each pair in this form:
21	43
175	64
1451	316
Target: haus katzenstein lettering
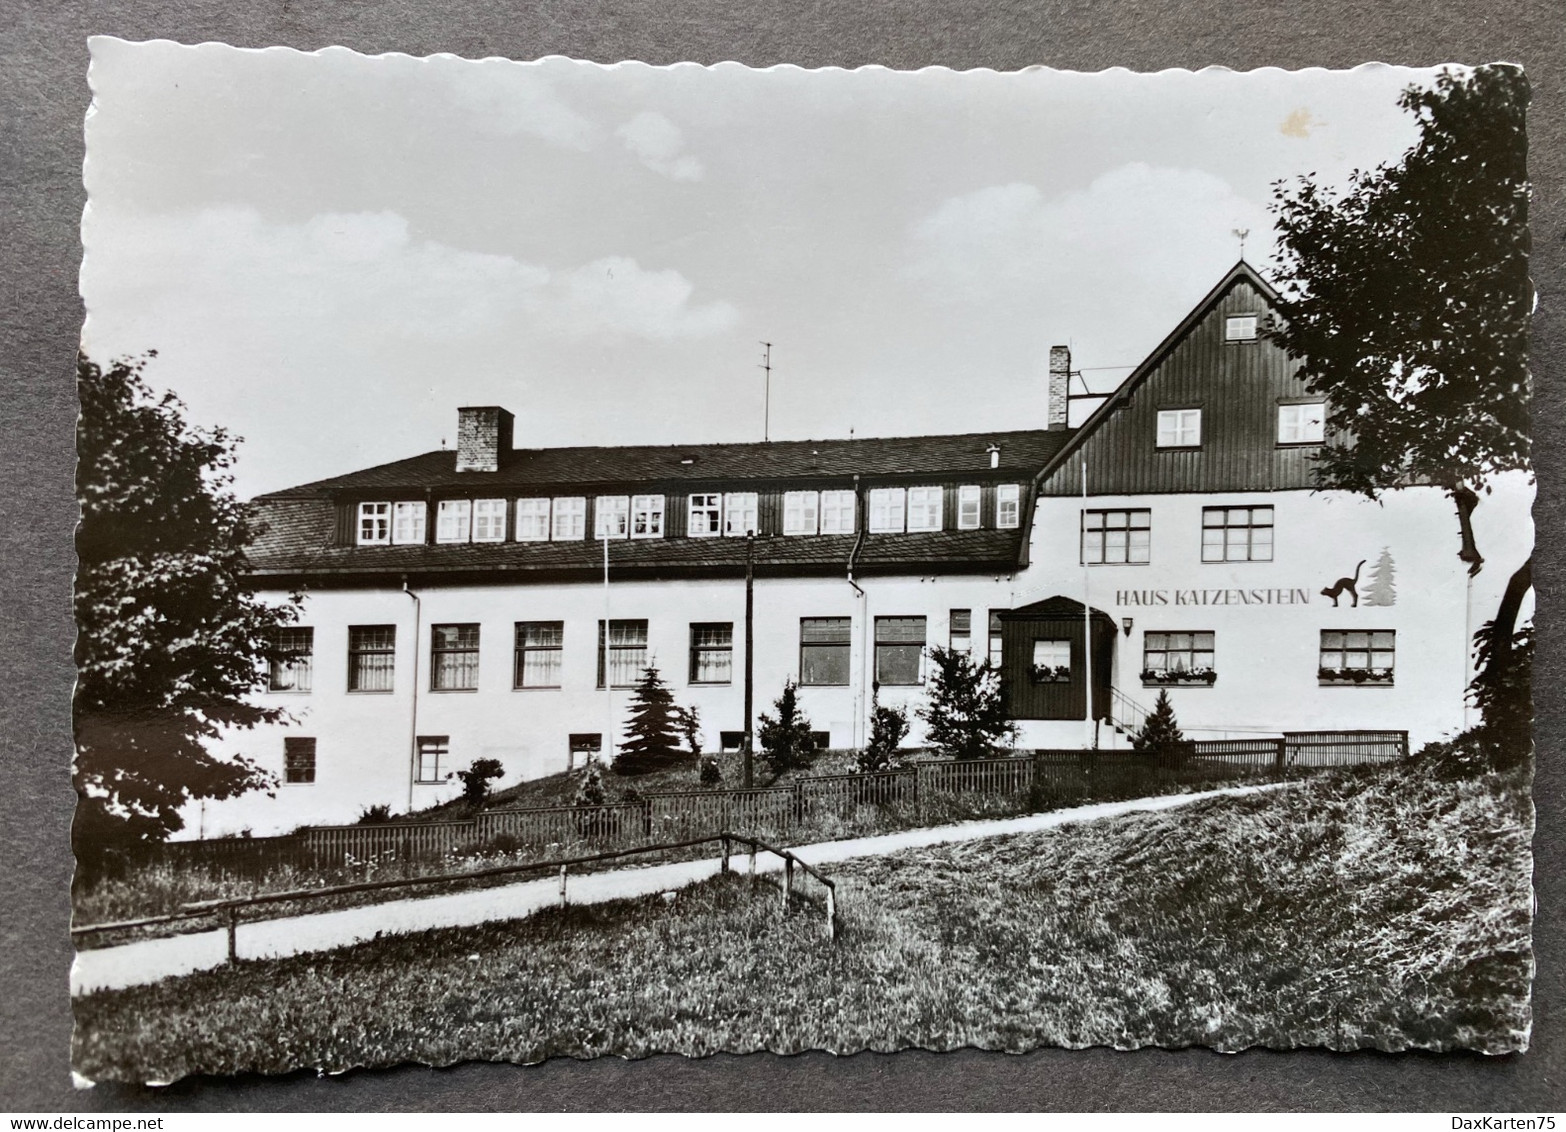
1269	596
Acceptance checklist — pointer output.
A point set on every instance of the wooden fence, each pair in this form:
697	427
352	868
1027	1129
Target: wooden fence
926	790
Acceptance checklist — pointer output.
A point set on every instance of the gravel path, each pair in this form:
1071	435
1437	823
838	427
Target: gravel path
148	961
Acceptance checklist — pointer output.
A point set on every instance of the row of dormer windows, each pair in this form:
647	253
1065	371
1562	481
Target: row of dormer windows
891	510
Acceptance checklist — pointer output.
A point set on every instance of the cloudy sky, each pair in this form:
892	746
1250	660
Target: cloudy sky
331	252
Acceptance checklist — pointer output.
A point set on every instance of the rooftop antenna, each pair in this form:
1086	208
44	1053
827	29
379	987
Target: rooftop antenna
1241	233
766	410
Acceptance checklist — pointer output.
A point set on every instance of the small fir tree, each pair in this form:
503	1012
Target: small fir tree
785	738
688	719
1160	733
590	787
1381	587
476	779
965	717
888	728
711	774
652	733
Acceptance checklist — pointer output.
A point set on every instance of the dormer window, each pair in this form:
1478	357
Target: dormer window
408	522
647	516
454	520
740	513
887	510
569	521
374	524
1180	428
801	512
1008	506
706	515
612	516
968	514
1239	328
924	509
532	520
837	513
489	520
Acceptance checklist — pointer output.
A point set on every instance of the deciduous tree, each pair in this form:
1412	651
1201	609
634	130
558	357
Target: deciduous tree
1406	300
170	638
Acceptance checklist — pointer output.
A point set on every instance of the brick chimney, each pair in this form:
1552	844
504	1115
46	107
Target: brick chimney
483	436
1059	386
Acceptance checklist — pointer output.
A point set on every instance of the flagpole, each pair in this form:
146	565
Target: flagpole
1087	627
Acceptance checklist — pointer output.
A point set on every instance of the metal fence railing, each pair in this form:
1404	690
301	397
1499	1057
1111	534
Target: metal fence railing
926	788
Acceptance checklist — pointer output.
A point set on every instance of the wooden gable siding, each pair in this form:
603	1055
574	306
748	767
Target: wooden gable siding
1238	387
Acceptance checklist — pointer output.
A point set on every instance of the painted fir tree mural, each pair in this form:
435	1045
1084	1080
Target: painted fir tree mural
1381	589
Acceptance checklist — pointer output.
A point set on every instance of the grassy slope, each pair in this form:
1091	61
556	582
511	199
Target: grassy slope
1376	909
560	789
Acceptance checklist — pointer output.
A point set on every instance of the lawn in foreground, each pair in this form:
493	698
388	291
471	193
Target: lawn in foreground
1377	908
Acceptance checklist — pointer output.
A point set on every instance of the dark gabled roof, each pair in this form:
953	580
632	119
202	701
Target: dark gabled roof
1057	608
1022	453
1149	364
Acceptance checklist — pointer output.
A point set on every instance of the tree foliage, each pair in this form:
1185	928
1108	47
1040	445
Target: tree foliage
590	787
1159	734
1406	300
965	716
476	779
170	640
652	731
785	738
888	728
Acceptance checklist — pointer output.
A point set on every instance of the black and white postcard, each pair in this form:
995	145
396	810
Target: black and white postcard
586	559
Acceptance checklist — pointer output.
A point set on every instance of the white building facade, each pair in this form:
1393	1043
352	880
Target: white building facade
497	602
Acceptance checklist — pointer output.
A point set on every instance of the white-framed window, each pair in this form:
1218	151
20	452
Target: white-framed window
1008	506
1179	428
1239	328
647	516
739	513
704	519
569	521
1302	424
924	508
969	517
1117	538
374	524
612	516
801	512
454	520
837	513
533	520
408	522
489	520
887	510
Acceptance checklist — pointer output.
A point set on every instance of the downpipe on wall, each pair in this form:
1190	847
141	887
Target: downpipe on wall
413	714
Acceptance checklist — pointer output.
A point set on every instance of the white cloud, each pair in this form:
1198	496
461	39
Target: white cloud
1133	249
657	143
510	98
363	276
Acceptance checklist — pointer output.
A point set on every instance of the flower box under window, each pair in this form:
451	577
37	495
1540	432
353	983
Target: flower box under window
1052	673
1328	677
1179	677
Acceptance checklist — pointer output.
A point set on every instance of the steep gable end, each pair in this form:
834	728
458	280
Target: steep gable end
1227	392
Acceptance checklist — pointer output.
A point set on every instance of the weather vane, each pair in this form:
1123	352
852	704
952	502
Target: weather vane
1241	233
